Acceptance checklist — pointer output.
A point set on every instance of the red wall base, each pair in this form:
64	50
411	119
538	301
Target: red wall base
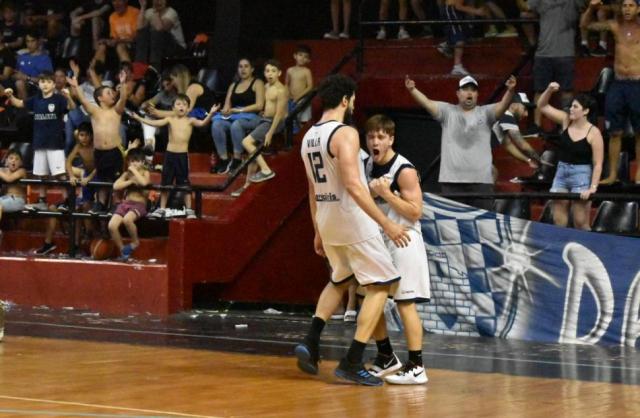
106	287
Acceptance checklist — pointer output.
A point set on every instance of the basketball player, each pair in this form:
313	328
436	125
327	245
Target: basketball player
344	217
395	185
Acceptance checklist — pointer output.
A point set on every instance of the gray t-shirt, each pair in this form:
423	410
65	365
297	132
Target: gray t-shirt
466	143
558	23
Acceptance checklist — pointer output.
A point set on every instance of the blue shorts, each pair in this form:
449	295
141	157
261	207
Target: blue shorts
574	178
621	103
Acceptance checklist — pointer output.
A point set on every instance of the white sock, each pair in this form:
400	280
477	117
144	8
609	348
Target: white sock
603	44
585	43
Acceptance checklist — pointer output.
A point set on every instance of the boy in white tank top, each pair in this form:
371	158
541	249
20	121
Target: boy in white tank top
345	220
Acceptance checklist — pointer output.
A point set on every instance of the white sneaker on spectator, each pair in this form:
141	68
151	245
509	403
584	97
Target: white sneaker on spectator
459	70
34	207
350	316
491	32
191	214
403	34
509	32
331	35
381	35
445	50
344	35
158	213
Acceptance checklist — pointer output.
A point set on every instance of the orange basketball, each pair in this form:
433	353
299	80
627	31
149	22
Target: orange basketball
101	249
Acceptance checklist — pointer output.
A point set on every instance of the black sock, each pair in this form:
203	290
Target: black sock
354	355
384	347
415	357
317	325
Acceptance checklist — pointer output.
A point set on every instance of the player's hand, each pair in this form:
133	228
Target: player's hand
553	87
409	83
397	233
267	139
511	83
317	245
381	186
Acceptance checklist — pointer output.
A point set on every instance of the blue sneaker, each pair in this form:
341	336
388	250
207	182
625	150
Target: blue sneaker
307	358
356	373
126	252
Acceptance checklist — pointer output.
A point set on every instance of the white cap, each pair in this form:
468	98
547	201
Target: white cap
467	80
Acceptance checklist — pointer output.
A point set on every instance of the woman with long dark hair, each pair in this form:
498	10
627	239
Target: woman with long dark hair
580	155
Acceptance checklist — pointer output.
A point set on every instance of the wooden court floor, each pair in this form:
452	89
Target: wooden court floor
41	377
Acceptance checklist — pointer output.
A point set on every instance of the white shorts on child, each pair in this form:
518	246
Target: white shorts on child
48	162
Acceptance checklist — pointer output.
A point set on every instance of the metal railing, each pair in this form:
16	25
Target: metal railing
73	214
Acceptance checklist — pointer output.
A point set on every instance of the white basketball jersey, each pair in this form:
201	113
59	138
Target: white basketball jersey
391	170
339	218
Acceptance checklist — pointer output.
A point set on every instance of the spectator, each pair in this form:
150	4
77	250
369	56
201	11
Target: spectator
59	79
82	154
14	196
134	206
335	20
580	156
176	159
48	17
159	33
94	79
299	81
465	164
555	54
529	30
106	115
418	10
383	14
31	64
622	100
12	31
7	64
271	123
601	49
95	12
496	12
123	24
239	115
453	10
48	110
507	132
162	101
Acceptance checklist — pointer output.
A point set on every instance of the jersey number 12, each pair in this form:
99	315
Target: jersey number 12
316	163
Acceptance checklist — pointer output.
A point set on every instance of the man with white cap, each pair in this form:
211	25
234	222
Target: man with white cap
466	160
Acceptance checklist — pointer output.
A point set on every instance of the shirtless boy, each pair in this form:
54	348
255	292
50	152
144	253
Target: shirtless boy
176	160
299	81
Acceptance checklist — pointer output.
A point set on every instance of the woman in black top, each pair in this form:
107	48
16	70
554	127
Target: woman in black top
580	156
245	99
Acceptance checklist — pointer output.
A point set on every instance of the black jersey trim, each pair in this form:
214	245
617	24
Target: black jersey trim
331	137
344	280
381	283
394	185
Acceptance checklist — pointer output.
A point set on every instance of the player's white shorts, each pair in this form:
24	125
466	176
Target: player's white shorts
48	162
411	262
368	260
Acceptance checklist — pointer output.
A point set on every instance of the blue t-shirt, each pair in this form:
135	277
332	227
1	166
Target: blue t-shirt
33	65
48	123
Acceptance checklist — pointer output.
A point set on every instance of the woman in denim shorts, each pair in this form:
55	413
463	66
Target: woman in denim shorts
580	154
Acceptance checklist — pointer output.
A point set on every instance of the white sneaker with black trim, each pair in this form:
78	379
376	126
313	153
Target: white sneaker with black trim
410	374
383	365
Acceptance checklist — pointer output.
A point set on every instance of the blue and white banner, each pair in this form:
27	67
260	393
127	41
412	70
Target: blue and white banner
496	275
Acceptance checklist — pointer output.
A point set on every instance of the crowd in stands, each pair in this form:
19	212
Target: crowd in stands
88	110
98	111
